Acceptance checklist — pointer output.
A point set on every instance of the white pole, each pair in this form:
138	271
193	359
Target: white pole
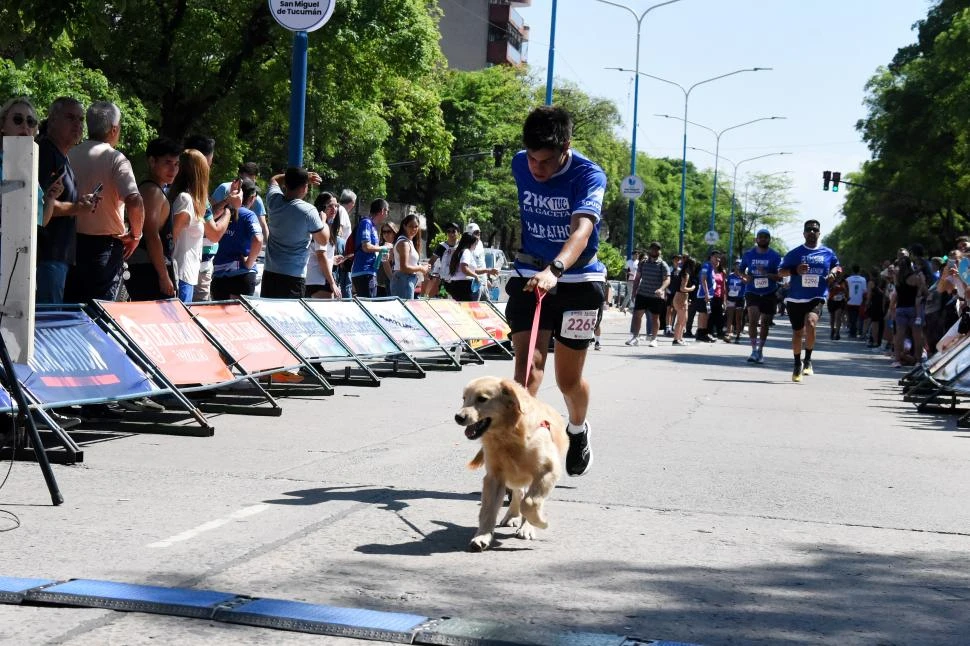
18	247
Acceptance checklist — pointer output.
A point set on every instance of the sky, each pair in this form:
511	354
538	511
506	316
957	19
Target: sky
822	55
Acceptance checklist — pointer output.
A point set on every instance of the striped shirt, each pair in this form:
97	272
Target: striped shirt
652	275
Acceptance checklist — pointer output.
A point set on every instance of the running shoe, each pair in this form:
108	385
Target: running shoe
896	364
753	357
679	342
596	346
633	340
807	367
796	374
579	457
653	342
761	357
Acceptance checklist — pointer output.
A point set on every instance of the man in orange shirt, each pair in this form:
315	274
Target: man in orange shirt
103	241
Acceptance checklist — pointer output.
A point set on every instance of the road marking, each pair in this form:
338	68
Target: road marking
245	512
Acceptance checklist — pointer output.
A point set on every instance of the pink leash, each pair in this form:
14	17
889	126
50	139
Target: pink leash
535	333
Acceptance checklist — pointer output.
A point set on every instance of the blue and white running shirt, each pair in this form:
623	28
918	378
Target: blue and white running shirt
546	209
759	265
820	260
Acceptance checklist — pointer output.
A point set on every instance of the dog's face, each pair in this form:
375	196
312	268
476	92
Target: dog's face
488	401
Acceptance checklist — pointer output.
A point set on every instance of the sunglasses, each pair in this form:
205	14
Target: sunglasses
18	120
812	230
387	231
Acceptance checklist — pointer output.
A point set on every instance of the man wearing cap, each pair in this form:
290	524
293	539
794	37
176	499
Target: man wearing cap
478	251
560	195
812	267
759	266
650	287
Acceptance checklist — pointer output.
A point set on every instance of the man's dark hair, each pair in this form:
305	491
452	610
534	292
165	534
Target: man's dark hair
163	147
249	168
812	223
917	249
322	200
205	145
296	178
855	269
377	206
547	127
249	189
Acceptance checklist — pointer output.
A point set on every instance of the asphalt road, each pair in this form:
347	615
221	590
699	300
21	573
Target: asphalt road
726	505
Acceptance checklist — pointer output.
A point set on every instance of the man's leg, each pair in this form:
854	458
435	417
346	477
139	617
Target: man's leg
811	323
520	345
635	327
655	319
575	390
51	278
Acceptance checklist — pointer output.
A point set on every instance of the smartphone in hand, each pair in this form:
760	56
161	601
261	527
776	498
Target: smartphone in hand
57	175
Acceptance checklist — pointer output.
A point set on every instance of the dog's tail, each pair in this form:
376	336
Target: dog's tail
478	460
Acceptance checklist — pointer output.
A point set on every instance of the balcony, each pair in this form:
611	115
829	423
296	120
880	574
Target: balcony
502	52
503	16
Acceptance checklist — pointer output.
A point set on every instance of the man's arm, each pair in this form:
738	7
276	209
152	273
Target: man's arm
135	208
156	213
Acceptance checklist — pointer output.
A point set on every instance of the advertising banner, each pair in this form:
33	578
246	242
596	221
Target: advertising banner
354	327
401	324
75	360
166	333
244	337
432	321
458	319
297	325
488	318
6	402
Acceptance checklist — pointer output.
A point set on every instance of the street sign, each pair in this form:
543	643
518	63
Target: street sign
711	237
302	15
632	187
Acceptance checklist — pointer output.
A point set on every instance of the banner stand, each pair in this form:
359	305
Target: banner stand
446	359
137	355
394	362
455	345
358	374
460	320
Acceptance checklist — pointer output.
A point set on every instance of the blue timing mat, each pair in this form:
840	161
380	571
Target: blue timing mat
325	620
14	589
182	602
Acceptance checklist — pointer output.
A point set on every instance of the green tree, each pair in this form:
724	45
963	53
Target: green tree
766	202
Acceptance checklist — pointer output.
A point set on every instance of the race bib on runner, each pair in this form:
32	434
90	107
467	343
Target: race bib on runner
761	283
810	280
578	324
733	293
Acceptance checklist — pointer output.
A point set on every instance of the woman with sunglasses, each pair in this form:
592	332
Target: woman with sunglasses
19	119
320	279
406	259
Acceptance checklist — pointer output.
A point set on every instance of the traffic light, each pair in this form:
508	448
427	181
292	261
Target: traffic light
826	178
836	176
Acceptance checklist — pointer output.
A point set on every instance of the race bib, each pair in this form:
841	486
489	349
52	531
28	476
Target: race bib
578	324
761	283
733	293
838	297
810	280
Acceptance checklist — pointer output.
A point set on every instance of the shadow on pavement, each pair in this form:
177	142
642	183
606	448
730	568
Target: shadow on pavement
388	498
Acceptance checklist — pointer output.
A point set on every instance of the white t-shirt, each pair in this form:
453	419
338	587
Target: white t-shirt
857	289
344	230
187	250
479	252
468	258
411	252
314	275
632	267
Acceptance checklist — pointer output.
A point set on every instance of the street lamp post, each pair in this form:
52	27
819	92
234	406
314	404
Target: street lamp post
636	96
734	188
717	149
683	166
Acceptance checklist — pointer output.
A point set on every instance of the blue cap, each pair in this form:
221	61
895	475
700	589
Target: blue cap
764	231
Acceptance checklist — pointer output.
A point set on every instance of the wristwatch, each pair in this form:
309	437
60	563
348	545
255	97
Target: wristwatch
557	268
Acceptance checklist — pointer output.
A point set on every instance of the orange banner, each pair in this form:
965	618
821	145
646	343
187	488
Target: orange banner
166	333
433	322
488	318
244	337
462	322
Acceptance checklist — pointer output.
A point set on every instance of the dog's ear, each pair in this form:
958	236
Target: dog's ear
512	392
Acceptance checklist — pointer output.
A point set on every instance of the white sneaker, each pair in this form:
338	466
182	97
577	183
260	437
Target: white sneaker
633	340
653	342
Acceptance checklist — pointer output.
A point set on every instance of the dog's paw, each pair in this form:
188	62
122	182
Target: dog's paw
526	532
511	521
532	510
480	543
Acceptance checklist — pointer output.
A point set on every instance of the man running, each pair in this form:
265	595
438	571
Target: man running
560	199
760	268
812	267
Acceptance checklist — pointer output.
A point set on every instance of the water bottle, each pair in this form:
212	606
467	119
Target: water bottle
918	321
707	306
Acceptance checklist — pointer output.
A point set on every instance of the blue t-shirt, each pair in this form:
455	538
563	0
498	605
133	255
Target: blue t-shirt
758	265
735	286
364	263
546	209
706	277
821	260
291	224
222	191
235	245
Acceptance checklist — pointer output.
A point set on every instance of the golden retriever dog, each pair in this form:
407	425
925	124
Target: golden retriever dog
524	443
